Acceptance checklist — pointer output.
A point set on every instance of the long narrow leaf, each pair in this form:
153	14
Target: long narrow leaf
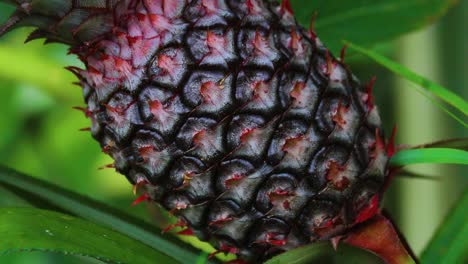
97	212
449	243
429	155
31	229
441	92
367	21
323	252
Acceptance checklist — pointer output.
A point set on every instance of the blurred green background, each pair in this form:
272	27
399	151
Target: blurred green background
39	131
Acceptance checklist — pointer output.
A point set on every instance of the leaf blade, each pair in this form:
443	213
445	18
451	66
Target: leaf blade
97	212
429	155
363	21
448	245
41	230
444	94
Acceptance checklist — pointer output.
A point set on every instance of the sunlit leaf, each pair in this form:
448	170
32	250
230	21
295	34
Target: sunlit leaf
449	243
429	155
36	190
30	229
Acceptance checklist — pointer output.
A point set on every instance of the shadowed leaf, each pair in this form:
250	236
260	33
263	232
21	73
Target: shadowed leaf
33	189
367	21
30	229
449	243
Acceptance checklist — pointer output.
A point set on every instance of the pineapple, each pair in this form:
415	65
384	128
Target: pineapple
227	113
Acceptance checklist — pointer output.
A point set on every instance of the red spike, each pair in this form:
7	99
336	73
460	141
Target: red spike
334	175
291	143
343	53
379	144
369	211
180	223
391	143
107	149
108	166
286	205
339	115
369	97
246	132
329	69
220	222
312	34
235	178
144	197
186	232
286	7
85	129
271	238
198	138
86	111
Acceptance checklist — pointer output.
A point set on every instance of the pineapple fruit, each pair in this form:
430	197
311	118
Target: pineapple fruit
227	113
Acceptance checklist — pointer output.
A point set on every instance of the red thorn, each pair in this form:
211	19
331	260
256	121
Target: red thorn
339	115
86	111
286	7
271	238
85	129
343	52
369	211
339	181
246	132
329	60
108	166
312	34
180	223
379	145
220	222
224	249
144	197
286	205
186	232
391	143
370	97
235	178
107	149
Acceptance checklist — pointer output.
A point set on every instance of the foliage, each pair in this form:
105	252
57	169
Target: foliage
38	127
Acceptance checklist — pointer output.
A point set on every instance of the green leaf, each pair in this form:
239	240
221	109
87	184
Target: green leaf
30	229
322	252
38	191
439	91
449	242
429	155
367	21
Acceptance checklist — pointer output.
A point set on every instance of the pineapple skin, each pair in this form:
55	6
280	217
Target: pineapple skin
227	113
